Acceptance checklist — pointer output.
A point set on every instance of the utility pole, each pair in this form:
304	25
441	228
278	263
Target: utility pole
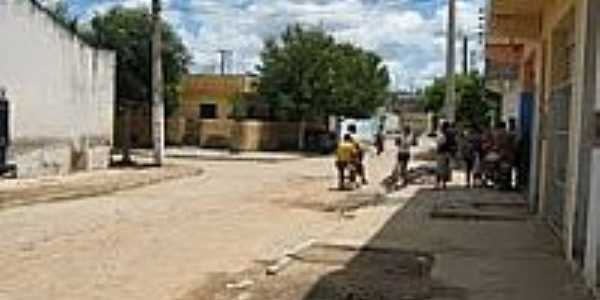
451	63
465	55
223	53
158	105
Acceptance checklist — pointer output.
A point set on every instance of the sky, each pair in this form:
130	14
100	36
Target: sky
408	34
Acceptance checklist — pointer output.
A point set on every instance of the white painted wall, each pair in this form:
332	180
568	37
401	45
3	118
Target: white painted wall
365	129
59	88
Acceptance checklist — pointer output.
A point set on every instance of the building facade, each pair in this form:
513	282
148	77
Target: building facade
60	93
408	109
556	100
209	105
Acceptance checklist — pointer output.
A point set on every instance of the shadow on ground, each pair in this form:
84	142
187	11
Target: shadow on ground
417	256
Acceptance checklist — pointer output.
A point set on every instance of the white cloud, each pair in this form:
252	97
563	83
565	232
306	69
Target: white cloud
410	39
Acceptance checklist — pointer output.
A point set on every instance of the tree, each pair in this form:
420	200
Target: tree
471	108
60	10
359	83
128	31
434	96
306	75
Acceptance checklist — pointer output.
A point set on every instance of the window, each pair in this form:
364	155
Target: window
208	111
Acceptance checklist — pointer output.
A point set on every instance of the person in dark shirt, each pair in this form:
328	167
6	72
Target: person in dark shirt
446	148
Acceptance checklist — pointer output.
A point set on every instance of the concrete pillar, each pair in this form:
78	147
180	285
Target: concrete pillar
591	157
534	174
574	171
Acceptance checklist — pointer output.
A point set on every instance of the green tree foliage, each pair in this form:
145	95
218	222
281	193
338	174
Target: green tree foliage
60	10
434	95
128	31
306	74
471	109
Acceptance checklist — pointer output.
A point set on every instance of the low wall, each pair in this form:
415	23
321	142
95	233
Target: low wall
98	158
50	158
215	133
249	135
269	136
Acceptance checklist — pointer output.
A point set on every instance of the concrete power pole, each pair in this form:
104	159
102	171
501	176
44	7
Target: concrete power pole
223	53
465	55
451	63
158	104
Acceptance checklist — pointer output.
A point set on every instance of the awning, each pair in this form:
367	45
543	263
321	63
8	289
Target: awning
514	19
503	61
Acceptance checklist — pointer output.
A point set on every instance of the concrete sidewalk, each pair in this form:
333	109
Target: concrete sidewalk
399	251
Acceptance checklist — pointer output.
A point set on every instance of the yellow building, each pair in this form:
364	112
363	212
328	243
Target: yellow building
208	105
543	56
208	96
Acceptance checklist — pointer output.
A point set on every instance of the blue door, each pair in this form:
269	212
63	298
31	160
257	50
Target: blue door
526	112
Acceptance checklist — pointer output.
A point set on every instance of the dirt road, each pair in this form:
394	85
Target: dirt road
162	241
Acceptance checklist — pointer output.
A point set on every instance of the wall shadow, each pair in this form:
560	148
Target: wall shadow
415	256
396	263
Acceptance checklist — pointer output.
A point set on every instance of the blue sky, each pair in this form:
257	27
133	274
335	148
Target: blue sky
407	33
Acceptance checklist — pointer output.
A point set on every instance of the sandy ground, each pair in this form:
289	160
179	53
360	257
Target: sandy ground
23	192
161	241
211	237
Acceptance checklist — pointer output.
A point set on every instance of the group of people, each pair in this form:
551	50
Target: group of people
350	162
350	159
489	157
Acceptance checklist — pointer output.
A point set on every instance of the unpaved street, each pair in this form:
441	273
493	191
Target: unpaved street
162	241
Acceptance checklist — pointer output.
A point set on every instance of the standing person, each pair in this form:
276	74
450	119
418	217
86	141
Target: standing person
379	141
471	153
465	154
344	154
477	141
358	163
445	146
488	157
408	136
506	150
404	143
